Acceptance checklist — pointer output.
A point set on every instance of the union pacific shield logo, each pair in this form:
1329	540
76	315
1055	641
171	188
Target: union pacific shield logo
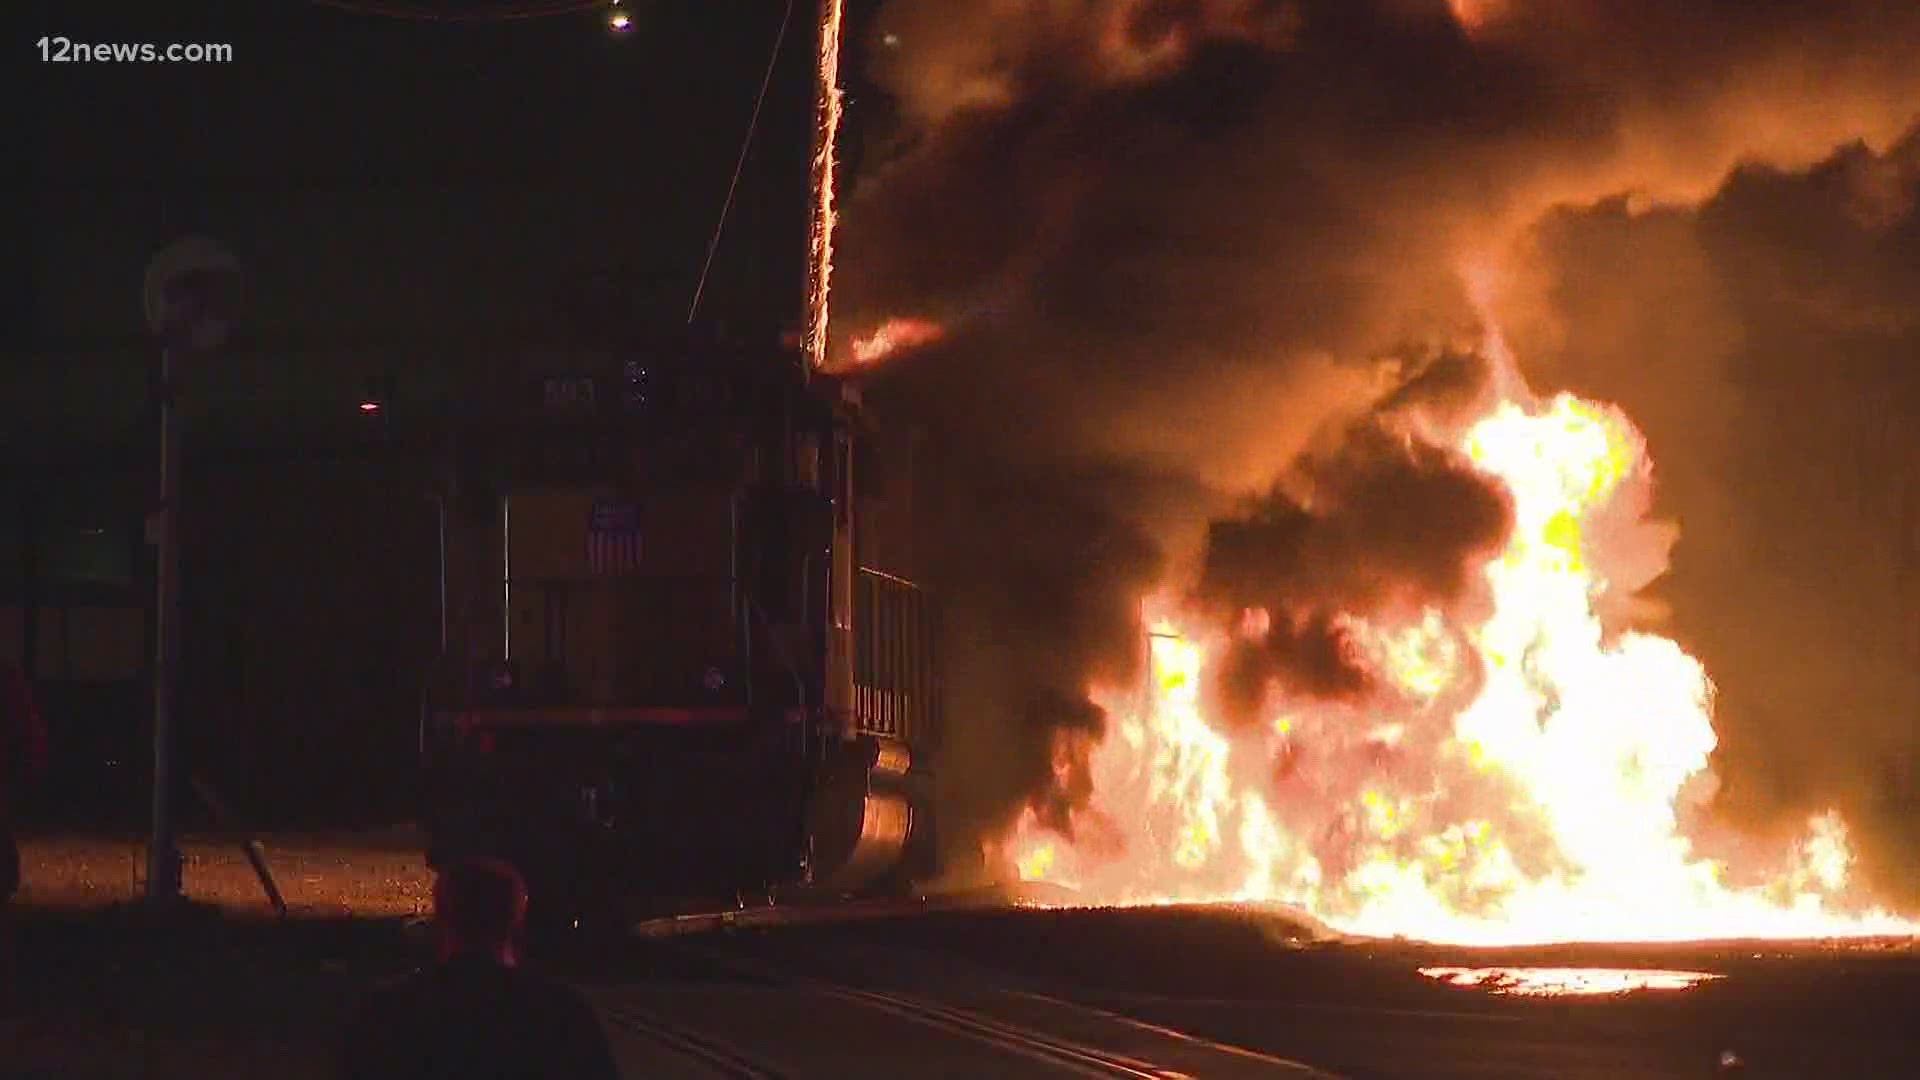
613	538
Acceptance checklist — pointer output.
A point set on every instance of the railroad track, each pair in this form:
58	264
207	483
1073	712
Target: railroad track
1023	1042
723	1059
1055	1054
1293	1067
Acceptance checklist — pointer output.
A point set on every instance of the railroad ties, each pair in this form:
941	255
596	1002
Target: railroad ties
753	1016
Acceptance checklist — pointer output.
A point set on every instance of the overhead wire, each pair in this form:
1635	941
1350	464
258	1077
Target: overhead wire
740	163
523	9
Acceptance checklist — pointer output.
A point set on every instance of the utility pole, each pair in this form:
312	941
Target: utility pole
163	855
191	298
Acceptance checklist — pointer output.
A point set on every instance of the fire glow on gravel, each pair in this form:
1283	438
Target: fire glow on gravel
1526	775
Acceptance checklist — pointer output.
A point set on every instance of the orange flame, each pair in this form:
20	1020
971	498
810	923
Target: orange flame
1473	15
1548	807
826	135
893	337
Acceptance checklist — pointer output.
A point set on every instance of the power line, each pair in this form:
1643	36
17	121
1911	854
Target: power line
505	10
740	163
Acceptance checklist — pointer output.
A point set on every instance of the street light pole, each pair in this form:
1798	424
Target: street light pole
191	299
163	856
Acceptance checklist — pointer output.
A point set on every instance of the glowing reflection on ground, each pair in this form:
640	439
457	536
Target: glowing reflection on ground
1568	981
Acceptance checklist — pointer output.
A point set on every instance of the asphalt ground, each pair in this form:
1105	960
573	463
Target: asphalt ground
93	990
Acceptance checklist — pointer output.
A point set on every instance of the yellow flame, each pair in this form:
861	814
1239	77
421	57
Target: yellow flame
1188	760
1545	808
1422	660
1035	863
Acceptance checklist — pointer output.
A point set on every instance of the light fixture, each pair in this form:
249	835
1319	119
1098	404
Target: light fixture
618	20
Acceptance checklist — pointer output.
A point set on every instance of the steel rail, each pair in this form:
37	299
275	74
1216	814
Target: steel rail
1299	1067
1012	1038
1086	1060
727	1060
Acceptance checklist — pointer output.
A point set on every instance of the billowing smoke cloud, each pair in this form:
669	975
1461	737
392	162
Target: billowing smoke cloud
1041	570
1178	245
1383	525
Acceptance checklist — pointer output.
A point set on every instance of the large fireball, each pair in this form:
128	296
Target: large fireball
1529	771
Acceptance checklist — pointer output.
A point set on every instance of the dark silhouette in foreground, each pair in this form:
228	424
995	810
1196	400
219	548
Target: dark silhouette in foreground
476	1014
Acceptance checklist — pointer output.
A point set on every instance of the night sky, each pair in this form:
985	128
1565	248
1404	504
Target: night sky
401	193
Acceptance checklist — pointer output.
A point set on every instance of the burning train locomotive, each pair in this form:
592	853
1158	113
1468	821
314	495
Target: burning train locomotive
685	656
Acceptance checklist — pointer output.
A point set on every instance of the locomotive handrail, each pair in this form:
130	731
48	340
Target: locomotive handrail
897	691
896	579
